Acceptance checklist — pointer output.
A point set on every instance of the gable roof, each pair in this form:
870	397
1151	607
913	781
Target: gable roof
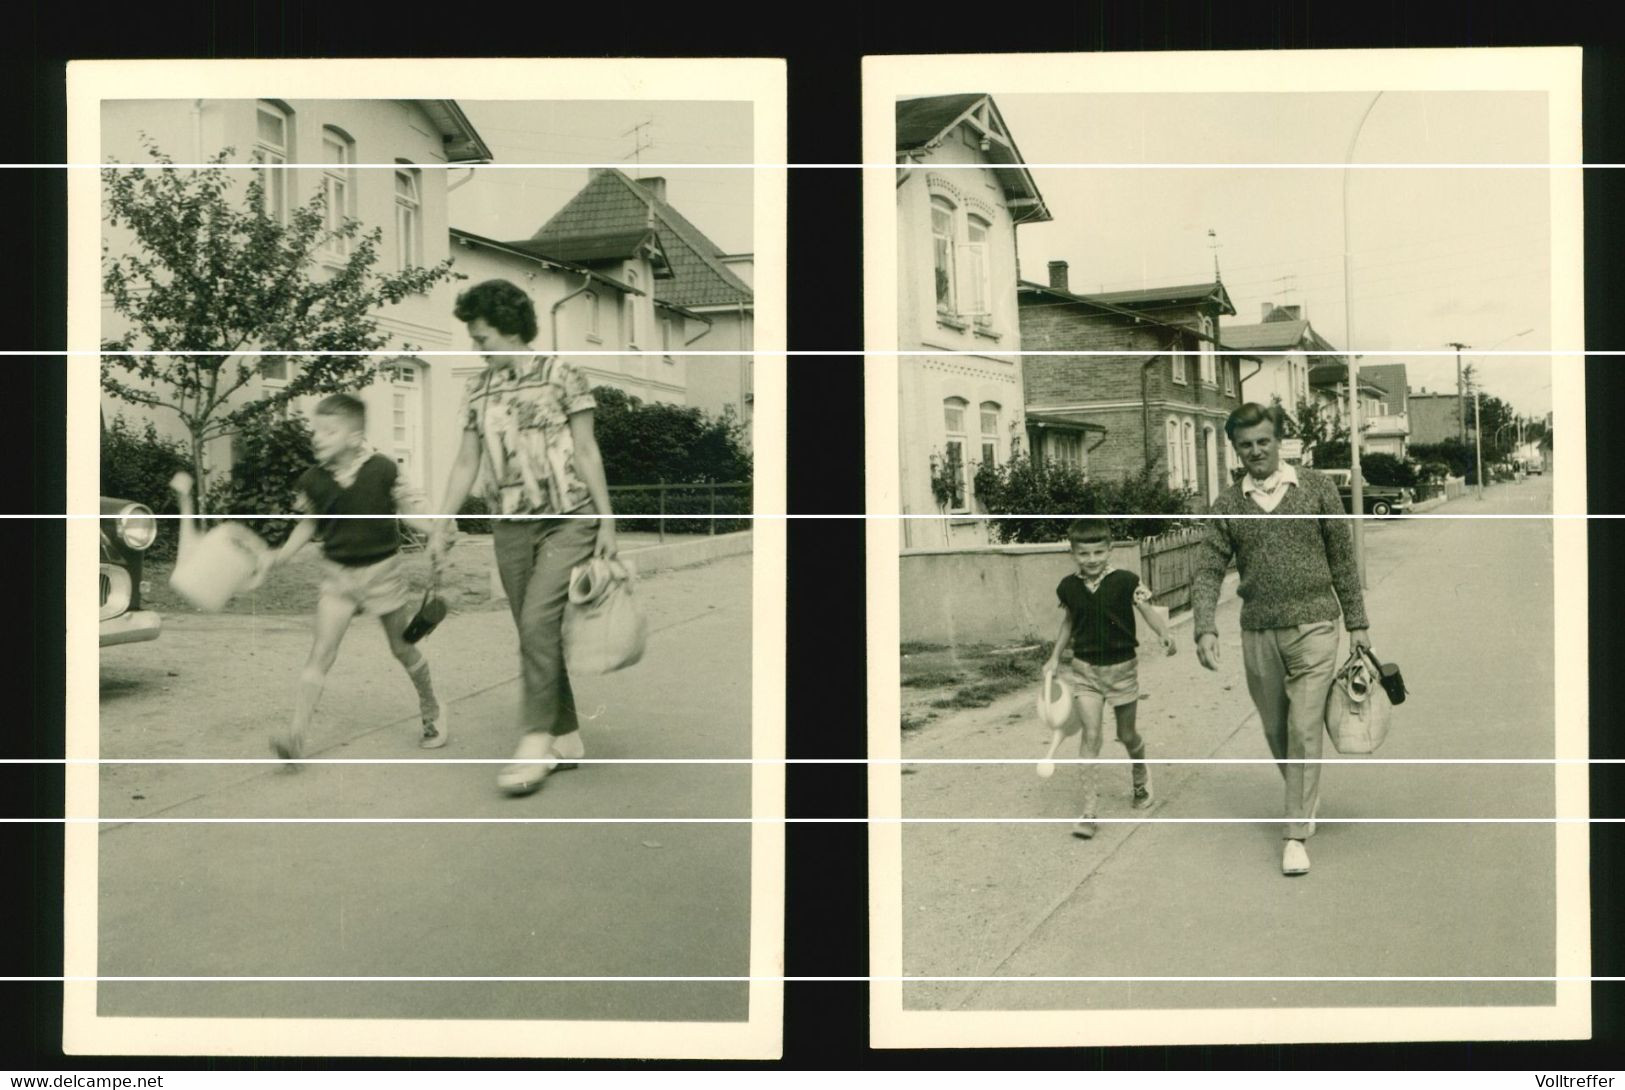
924	123
1282	335
1322	375
1392	378
457	133
602	247
612	205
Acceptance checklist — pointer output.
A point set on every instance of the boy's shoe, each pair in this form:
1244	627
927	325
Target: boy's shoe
1294	858
1143	796
436	731
1085	828
569	749
289	747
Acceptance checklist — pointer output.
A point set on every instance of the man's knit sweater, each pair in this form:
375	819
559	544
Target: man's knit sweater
1293	570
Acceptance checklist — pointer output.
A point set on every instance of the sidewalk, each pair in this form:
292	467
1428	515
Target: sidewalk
435	899
1208	899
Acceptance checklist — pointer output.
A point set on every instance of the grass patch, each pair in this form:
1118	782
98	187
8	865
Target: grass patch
921	647
931	679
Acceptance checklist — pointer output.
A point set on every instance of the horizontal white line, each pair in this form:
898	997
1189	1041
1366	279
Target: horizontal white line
677	516
1278	820
816	760
806	979
911	166
878	353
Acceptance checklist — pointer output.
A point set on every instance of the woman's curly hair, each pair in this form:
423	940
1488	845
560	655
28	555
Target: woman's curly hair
504	306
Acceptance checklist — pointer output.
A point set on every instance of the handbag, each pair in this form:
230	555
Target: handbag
1358	708
604	628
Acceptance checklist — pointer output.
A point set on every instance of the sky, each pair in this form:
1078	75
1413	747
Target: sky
1438	255
512	204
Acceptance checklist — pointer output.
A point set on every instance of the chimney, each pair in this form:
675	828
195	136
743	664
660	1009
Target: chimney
657	186
1057	276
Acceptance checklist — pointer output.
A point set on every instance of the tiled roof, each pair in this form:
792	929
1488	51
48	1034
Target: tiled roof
1391	377
921	120
587	249
1281	335
1179	293
613	204
1333	374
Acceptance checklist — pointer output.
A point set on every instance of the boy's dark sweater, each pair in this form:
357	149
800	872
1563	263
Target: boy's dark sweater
354	542
1103	631
1293	570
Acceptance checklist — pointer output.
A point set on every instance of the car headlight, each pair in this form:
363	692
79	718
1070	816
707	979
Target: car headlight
136	527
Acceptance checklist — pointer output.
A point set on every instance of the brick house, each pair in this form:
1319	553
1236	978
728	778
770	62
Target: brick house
956	292
1111	416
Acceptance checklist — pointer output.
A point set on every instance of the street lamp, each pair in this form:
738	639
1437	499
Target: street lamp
1478	424
1356	482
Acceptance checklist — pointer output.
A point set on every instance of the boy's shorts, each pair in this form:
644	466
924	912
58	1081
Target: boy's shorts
369	588
1117	684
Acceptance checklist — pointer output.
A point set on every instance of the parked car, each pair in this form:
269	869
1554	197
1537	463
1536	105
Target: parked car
1535	468
1378	499
128	531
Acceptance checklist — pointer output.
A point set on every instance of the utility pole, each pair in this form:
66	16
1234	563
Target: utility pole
1461	395
1356	481
1478	442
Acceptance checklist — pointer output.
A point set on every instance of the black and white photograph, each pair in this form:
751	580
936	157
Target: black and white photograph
1217	422
436	638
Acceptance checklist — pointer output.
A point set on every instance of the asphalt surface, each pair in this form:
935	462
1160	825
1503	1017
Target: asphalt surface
646	898
1465	607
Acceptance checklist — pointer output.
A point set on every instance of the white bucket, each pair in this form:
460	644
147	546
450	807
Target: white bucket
221	563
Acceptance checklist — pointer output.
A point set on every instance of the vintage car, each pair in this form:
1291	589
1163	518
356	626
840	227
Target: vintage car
1378	499
128	531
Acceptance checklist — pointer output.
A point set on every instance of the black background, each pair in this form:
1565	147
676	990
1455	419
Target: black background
825	1023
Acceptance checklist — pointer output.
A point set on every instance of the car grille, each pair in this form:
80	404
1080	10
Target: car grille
115	586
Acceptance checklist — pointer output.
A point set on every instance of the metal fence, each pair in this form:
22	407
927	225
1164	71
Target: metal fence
684	508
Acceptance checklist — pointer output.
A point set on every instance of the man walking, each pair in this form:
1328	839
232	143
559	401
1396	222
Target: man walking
1297	575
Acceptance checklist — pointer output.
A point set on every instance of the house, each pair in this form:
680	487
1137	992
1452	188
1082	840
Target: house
701	299
1434	417
1287	346
1328	384
1146	403
1388	430
956	292
408	204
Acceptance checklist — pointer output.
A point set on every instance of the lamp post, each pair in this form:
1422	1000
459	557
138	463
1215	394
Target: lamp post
1356	482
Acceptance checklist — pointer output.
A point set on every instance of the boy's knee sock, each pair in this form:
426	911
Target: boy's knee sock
428	706
1136	753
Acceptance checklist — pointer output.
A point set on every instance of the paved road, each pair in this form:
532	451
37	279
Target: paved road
430	899
1208	899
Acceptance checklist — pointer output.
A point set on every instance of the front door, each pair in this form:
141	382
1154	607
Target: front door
405	442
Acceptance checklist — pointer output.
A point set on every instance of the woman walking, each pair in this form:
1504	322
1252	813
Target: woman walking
527	437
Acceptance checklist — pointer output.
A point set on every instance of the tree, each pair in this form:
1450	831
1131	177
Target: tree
650	443
209	276
1319	424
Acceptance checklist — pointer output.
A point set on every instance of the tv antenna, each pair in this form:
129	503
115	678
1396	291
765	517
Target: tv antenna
642	141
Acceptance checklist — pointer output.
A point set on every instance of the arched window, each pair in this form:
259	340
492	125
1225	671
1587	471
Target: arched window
1205	347
978	285
273	139
1175	477
942	253
990	433
631	305
953	420
408	218
338	162
592	317
1188	455
1177	365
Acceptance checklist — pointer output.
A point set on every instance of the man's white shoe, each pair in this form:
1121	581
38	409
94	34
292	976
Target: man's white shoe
1294	858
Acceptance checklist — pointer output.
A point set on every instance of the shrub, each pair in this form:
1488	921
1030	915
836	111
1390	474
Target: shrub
650	443
268	455
1460	457
1023	486
137	466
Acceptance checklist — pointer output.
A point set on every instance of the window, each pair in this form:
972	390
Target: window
1175	479
408	210
953	417
1066	449
977	281
942	239
990	433
1205	348
592	317
271	142
338	155
665	335
1179	370
1188	455
1229	368
631	305
275	370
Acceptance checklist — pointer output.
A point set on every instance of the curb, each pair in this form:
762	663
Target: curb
678	554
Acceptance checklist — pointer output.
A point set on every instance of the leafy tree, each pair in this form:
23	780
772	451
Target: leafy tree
210	274
268	455
650	443
1318	425
1028	487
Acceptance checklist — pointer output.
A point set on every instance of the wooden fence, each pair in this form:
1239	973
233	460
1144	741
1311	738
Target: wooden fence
1168	566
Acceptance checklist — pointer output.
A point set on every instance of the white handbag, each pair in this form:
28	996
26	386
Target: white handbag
604	629
1357	708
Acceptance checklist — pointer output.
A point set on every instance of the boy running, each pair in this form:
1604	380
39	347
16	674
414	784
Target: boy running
361	557
1099	604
